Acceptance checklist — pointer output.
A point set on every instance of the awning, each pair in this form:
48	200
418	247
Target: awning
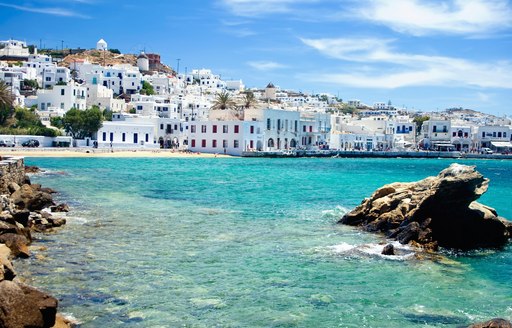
442	144
501	144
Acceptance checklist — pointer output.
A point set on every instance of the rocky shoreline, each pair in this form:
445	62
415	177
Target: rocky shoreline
25	208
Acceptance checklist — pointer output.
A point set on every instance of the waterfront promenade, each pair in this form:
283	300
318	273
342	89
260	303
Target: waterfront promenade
375	154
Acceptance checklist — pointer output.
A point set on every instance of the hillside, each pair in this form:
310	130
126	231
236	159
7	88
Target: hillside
107	58
100	57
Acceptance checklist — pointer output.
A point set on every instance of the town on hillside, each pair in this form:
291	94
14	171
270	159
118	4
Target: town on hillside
101	98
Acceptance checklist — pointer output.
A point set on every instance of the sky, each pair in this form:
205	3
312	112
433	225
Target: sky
422	55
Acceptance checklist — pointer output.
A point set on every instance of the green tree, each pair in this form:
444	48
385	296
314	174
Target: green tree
107	115
26	118
419	122
223	101
81	124
31	84
6	100
148	88
56	121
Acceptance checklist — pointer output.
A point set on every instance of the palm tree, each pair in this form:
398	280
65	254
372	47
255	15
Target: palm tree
249	99
223	101
6	100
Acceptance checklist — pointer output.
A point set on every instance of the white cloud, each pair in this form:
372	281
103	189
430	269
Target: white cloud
421	17
394	70
48	11
251	8
265	65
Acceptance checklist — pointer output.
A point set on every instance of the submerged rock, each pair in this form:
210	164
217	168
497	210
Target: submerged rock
494	323
436	211
389	249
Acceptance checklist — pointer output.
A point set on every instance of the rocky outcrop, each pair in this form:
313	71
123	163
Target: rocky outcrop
437	211
494	323
24	208
24	306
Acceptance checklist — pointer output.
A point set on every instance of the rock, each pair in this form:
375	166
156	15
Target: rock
17	243
63	322
24	306
389	249
39	201
60	208
436	211
22	217
493	323
13	186
6	269
56	222
32	169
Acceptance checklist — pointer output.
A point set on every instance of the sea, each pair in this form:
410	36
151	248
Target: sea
253	242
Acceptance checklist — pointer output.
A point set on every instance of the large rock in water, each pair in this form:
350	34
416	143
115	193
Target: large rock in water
436	211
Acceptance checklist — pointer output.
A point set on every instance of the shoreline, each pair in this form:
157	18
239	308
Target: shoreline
98	153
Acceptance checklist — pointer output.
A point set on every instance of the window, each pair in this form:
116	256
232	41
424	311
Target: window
303	128
310	128
139	107
483	134
203	128
296	125
161	126
235	144
465	134
214	143
193	143
124	137
279	124
61	105
499	134
251	144
135	138
147	137
504	134
434	128
494	134
214	128
268	124
225	129
203	143
104	136
236	128
252	130
193	129
224	144
62	92
111	136
454	134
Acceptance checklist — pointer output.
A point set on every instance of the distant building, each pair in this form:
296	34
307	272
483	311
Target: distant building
101	45
13	49
143	62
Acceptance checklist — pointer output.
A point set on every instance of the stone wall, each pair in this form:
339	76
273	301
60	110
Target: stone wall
12	169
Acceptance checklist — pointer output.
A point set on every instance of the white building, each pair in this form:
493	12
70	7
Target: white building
435	135
119	78
281	128
461	138
13	49
103	97
62	97
496	137
101	45
225	137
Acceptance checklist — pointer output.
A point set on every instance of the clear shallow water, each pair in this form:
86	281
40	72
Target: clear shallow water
252	243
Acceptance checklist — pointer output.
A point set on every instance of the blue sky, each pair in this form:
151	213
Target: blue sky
425	55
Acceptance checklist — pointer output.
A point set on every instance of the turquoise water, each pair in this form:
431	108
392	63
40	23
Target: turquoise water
252	243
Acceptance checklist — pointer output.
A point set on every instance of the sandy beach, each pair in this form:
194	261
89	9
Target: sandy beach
88	152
